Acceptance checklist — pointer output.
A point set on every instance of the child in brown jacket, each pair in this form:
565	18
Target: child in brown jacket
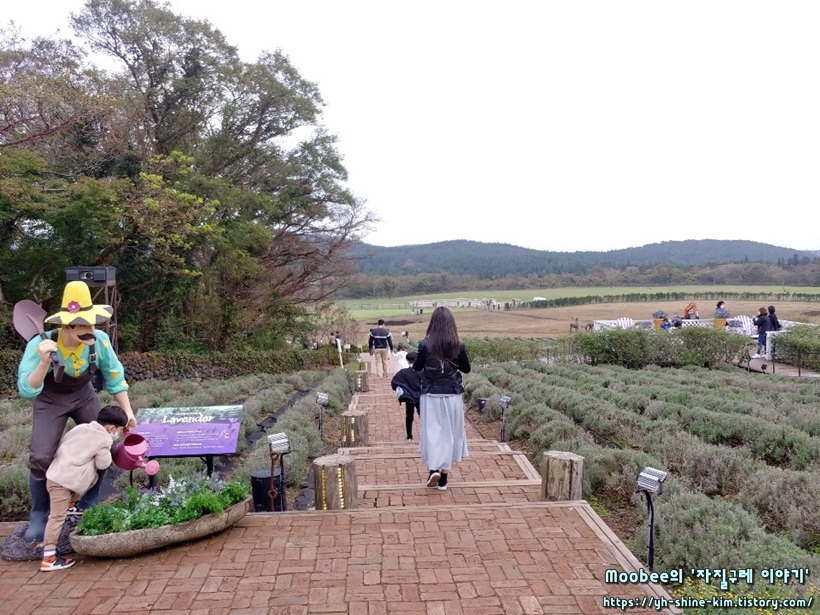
82	451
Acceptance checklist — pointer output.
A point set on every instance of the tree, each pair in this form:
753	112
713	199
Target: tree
52	103
174	68
222	226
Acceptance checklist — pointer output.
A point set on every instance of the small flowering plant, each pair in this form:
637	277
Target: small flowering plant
184	500
659	314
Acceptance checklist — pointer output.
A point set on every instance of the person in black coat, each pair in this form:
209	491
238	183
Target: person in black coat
407	384
764	325
773	318
442	358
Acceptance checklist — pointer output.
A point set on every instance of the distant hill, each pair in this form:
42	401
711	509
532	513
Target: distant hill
462	257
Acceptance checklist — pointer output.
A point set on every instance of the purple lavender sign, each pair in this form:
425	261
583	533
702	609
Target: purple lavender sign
177	432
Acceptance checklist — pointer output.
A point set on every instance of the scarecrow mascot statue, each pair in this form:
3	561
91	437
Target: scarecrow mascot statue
56	373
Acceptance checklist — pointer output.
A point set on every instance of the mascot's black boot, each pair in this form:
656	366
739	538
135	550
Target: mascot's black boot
92	495
40	505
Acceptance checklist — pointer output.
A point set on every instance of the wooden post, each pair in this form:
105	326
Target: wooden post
562	476
335	482
354	428
360	381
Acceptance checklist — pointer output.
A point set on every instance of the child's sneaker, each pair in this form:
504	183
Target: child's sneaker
56	562
442	482
74	511
433	478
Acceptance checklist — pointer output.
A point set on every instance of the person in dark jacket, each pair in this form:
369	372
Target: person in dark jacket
380	340
407	384
441	359
764	325
773	318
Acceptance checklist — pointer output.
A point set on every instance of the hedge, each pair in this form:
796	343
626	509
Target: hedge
183	365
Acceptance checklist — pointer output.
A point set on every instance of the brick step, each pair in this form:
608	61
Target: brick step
419	496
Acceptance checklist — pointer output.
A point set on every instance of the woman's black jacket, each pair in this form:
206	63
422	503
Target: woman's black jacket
441	376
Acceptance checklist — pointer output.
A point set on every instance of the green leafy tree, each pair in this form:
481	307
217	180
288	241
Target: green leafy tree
225	229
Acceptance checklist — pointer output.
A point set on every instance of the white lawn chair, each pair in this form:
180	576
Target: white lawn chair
625	322
744	326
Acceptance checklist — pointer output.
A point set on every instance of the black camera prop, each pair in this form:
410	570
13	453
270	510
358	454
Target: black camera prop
93	276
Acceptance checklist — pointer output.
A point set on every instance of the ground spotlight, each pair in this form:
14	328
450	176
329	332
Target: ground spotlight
279	445
650	481
503	401
323	400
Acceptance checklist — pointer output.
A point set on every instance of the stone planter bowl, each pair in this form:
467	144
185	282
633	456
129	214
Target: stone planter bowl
135	542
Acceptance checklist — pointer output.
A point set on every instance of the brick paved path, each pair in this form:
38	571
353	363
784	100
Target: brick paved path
485	546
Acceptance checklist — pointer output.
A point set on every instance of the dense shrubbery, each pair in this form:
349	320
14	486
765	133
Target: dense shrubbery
183	365
638	347
9	360
799	345
633	348
506	349
696	531
740	449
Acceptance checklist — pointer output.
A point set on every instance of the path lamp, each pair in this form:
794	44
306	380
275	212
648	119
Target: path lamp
323	400
650	481
503	402
279	445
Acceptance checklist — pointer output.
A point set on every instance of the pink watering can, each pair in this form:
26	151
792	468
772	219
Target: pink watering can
130	454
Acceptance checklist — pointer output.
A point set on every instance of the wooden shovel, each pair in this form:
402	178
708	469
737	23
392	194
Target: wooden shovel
28	321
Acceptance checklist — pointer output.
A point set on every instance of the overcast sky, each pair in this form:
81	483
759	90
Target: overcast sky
553	125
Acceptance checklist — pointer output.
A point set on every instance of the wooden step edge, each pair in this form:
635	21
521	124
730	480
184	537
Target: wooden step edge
625	558
522	482
269	518
413	455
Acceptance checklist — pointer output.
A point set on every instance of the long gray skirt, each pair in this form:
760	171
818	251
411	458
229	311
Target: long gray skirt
443	435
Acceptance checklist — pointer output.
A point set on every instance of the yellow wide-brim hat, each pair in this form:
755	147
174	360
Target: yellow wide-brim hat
77	308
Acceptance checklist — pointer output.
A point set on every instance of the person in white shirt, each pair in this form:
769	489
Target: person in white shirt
401	357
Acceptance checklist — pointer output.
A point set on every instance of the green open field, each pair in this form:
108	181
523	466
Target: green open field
384	307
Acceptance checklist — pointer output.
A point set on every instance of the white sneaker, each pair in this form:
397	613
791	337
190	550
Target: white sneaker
755	356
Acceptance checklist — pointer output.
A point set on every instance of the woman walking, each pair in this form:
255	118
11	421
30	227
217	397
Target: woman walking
441	359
